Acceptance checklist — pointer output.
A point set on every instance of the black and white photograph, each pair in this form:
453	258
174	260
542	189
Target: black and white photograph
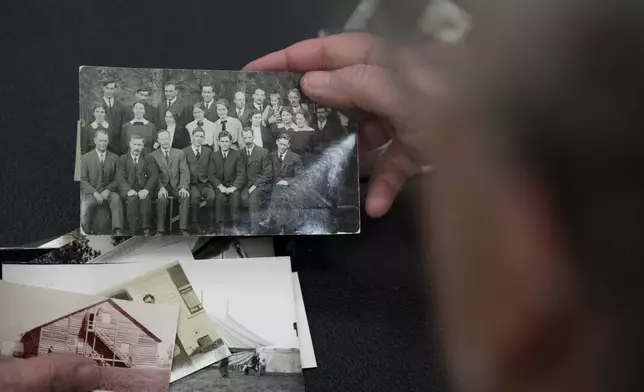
198	152
132	343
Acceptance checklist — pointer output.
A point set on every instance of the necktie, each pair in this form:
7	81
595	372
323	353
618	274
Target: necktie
225	155
198	154
102	159
282	157
239	112
223	125
169	104
166	156
200	123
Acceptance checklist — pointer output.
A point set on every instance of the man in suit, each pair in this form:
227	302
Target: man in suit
137	178
179	106
259	96
227	176
174	180
263	135
209	105
329	126
198	158
241	112
98	183
115	115
259	174
151	112
287	167
294	98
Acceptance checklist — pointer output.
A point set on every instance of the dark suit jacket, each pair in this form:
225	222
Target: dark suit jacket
151	114
148	173
175	172
211	113
182	107
230	172
87	138
332	131
259	169
116	117
181	139
91	179
244	118
199	168
289	168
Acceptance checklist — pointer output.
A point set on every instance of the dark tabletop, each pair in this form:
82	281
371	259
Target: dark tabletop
364	294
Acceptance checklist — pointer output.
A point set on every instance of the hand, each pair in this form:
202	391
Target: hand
282	183
156	145
163	193
231	190
131	192
143	194
105	194
183	193
49	373
251	189
272	120
222	188
98	197
346	71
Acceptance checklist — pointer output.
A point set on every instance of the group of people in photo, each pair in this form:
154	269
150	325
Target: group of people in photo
232	164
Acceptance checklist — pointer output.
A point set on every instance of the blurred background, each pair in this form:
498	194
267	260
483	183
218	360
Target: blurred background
365	295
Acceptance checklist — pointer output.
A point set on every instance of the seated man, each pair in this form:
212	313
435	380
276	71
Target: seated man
98	183
198	158
137	176
259	173
287	166
174	180
227	176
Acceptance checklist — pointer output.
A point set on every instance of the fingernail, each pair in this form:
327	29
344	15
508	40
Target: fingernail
316	80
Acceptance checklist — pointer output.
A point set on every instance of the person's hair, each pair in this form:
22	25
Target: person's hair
249	129
101	130
208	84
172	113
96	105
239	92
280	100
258	89
109	81
288	110
254	112
198	129
173	84
306	120
296	91
199	106
138	101
284	136
225	134
143	88
224	102
163	130
136	136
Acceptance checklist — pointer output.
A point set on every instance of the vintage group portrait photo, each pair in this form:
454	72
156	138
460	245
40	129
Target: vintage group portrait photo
198	152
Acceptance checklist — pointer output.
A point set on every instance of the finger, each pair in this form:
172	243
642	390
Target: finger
368	87
333	52
372	133
53	372
390	174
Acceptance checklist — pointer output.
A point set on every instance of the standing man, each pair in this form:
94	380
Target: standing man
198	158
98	183
178	106
263	135
259	173
174	180
294	98
229	124
258	100
151	112
329	127
287	166
228	177
115	115
208	95
137	177
241	112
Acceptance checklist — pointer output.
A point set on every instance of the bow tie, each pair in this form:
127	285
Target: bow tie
200	123
138	123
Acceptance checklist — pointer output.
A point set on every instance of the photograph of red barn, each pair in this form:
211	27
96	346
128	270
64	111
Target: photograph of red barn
104	332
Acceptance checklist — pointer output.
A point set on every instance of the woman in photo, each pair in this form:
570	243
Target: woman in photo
302	136
199	113
87	133
138	126
179	137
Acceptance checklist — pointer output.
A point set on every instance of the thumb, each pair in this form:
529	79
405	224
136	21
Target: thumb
363	86
49	373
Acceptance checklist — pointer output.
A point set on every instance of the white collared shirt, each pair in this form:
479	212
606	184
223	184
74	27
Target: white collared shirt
207	105
249	151
257	133
109	101
282	156
322	124
240	111
101	155
144	121
196	149
171	130
209	130
135	158
166	153
170	102
258	107
224	154
104	124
